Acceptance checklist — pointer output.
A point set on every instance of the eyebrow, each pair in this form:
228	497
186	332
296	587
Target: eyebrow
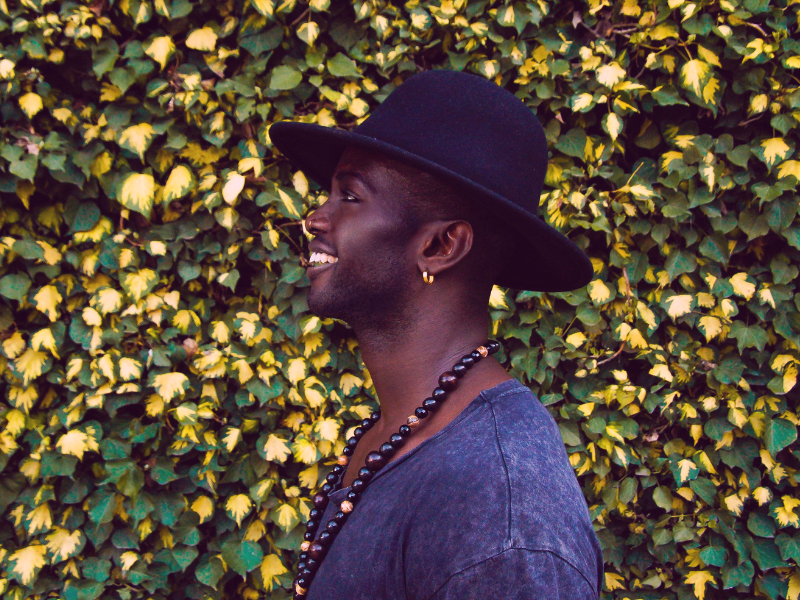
342	175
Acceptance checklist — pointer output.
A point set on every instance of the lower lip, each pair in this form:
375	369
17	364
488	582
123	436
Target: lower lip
315	270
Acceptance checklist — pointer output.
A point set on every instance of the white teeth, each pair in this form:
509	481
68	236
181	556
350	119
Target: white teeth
321	257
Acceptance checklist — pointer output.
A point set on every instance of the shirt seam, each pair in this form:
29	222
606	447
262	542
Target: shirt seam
496	554
505	471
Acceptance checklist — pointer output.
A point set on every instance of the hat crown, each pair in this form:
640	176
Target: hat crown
469	126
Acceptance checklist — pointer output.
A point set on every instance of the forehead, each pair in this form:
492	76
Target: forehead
378	171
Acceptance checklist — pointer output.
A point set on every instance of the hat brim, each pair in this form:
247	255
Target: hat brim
542	259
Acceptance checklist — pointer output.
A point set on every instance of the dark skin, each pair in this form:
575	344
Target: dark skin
408	332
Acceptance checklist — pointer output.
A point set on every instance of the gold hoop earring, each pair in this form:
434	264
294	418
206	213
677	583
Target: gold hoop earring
427	278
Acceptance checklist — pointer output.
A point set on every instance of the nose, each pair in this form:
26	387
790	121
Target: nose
318	222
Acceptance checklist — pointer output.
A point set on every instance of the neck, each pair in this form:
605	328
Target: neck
405	366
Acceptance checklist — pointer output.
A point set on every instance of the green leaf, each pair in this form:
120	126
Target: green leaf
15	286
779	434
341	66
242	557
284	78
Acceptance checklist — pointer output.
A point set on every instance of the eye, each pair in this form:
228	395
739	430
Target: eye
348	197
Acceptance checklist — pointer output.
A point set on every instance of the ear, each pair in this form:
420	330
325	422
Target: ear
444	244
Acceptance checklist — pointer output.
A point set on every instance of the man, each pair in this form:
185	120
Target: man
463	492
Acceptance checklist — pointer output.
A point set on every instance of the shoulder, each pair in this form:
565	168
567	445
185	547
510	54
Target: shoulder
501	480
518	573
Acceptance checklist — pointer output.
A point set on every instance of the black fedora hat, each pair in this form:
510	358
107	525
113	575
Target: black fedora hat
478	137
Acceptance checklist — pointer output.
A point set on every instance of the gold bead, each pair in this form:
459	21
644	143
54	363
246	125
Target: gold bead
346	506
483	351
412	421
299	590
343	460
305	546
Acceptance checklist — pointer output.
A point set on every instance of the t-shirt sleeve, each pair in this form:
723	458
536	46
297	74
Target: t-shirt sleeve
518	574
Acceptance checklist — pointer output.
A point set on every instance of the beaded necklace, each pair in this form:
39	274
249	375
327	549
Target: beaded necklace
314	550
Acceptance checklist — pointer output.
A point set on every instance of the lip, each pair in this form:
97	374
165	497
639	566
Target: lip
314	270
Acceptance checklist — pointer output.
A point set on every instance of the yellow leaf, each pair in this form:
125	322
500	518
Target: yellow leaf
179	183
23	398
614	582
91	317
304	451
297	370
308	477
232	438
679	305
46	300
775	149
793	593
271	568
790	167
109	92
157	248
137	138
129	368
138	192
31	104
610	75
44	337
30	365
699	579
96	233
170	385
39	519
203	39
204	507
139	283
62	544
108	300
14	345
742	287
244	370
6	69
234	184
710	326
28	561
220	332
51	255
693	74
154	405
599	292
238	507
327	429
276	449
128	559
708	56
286	515
76	442
15	422
161	50
497	299
184	319
661	370
734	503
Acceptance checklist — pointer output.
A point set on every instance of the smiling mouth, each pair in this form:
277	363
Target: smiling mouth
319	260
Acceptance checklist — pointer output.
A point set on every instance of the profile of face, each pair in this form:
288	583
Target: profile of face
362	226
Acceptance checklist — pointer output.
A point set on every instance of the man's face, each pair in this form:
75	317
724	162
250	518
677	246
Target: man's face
362	225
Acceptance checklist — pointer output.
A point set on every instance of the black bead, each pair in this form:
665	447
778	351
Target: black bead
366	424
348	451
332	477
364	473
467	361
304	582
320	501
325	538
338	469
358	432
376	416
358	485
374	461
312	526
303	556
297	596
421	413
352	442
430	404
333	526
300	566
448	381
476	355
493	346
438	394
312	565
404	430
353	497
459	370
308	536
397	440
305	572
326	488
317	552
315	514
387	450
340	517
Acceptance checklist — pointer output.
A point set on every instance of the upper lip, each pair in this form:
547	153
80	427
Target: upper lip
317	247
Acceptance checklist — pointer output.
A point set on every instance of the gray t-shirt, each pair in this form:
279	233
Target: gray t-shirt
486	509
